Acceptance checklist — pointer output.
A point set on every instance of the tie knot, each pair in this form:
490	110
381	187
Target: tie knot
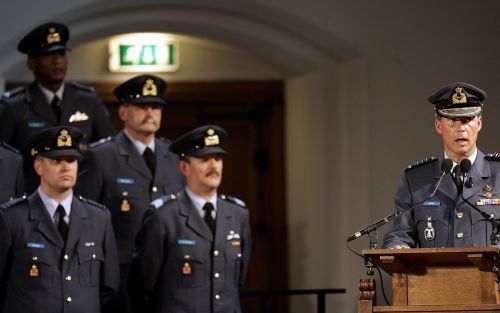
60	210
208	207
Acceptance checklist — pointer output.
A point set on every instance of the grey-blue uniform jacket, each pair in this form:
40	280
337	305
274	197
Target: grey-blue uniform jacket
11	173
40	274
446	220
25	110
114	174
180	267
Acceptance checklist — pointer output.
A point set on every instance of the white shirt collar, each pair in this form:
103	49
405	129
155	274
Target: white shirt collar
199	202
49	94
51	204
139	146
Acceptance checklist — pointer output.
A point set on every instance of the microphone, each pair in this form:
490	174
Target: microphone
465	166
446	167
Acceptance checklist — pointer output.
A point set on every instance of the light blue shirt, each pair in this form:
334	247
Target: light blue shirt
49	94
199	202
51	205
139	145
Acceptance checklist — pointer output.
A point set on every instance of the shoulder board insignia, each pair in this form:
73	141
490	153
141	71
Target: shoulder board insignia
164	139
421	162
234	200
14	92
9	147
82	87
92	202
492	156
13	202
100	142
158	203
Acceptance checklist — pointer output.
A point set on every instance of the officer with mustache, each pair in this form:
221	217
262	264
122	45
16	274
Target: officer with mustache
451	218
194	247
50	100
126	172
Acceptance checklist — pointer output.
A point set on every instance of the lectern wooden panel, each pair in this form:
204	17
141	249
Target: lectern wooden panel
438	279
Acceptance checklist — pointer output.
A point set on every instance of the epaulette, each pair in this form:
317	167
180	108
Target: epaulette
9	147
99	142
234	200
14	92
158	203
83	87
421	162
492	156
164	139
13	202
92	202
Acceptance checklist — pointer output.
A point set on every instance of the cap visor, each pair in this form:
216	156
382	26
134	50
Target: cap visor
460	112
146	100
61	152
206	151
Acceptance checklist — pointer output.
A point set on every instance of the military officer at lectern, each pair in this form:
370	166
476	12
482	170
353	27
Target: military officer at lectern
128	171
49	101
57	251
194	247
452	218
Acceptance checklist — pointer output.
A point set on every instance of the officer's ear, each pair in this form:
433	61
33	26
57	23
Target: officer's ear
37	165
184	166
31	63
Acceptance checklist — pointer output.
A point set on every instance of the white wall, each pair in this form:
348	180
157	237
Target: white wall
357	77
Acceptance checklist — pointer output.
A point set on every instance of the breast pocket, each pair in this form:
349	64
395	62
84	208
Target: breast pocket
432	226
186	266
90	261
233	257
127	202
33	268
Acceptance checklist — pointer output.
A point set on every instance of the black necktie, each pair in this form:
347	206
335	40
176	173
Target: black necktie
456	177
150	159
209	219
61	225
56	108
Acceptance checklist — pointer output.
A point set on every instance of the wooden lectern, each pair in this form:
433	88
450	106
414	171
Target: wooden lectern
436	280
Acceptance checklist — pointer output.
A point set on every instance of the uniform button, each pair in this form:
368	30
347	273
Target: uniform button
68	277
216	252
460	235
217	297
460	214
68	299
155	189
66	257
93	256
239	255
216	275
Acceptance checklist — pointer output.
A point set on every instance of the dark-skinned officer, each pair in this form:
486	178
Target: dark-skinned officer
49	101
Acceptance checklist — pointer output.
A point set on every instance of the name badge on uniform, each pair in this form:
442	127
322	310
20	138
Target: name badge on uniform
125	181
429	231
36	125
35	245
431	203
186	242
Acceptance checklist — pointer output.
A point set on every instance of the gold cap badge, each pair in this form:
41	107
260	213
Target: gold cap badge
64	139
149	88
53	36
211	139
459	96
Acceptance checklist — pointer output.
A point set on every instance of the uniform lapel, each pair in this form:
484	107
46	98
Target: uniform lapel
194	220
67	104
40	104
77	217
447	186
162	158
480	171
131	156
45	224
